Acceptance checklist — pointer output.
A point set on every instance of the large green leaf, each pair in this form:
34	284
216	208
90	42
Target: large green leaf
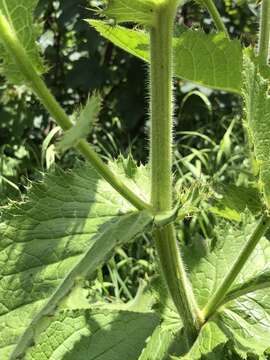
245	313
68	227
246	320
94	334
257	113
165	342
19	14
208	60
209	344
208	266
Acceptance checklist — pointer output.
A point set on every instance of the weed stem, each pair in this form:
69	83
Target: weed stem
161	91
264	35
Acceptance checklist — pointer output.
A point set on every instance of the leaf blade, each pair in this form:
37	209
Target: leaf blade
91	334
46	243
192	51
20	17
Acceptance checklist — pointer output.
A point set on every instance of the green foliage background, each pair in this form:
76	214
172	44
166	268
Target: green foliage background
208	132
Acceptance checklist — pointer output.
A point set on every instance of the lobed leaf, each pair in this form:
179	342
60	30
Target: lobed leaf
19	14
94	334
209	60
67	228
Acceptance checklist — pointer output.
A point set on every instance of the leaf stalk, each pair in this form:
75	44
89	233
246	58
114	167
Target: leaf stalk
213	11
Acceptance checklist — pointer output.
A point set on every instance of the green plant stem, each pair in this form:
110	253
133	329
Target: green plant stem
173	270
161	86
217	298
213	11
36	83
264	35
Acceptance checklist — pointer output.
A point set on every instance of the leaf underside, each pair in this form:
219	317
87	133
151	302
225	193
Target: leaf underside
207	60
67	228
19	14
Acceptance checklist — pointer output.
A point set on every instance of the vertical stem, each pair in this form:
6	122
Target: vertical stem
264	35
161	112
161	92
173	270
241	260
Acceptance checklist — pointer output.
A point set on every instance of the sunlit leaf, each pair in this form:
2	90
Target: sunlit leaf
19	14
103	334
67	228
208	60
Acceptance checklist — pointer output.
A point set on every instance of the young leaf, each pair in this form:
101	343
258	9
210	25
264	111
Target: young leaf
94	334
19	14
67	228
209	60
136	11
257	114
83	125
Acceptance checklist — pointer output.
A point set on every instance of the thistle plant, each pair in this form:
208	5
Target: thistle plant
203	303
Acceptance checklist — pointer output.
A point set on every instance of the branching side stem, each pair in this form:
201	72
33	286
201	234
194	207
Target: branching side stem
161	94
213	11
36	83
264	36
217	298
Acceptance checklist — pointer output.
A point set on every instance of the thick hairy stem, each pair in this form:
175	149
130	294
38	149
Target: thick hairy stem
217	298
161	92
264	35
213	11
35	82
173	270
